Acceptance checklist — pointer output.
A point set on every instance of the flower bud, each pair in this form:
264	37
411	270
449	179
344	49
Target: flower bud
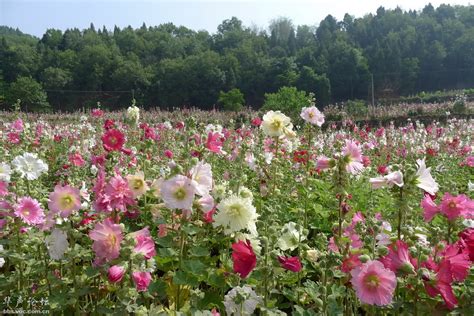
116	273
364	258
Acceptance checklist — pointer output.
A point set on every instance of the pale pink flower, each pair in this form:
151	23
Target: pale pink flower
107	237
144	243
353	154
201	175
30	211
313	116
64	200
373	283
178	193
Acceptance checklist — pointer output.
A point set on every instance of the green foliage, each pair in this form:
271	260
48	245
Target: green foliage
288	100
357	108
30	92
232	100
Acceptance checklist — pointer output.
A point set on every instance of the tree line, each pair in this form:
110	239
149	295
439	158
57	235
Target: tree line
401	52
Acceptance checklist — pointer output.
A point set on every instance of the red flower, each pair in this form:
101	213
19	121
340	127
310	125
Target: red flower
290	263
244	258
256	122
109	124
350	263
113	140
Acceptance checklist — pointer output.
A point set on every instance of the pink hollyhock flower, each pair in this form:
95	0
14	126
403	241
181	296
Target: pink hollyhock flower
350	263
201	175
142	280
459	260
107	237
441	284
398	258
18	125
312	115
323	163
3	188
206	203
470	161
353	154
14	138
116	273
97	113
243	257
76	160
256	122
290	263
30	211
466	240
373	283
214	143
119	194
180	125
169	154
64	200
113	140
455	206
144	243
178	192
429	208
162	230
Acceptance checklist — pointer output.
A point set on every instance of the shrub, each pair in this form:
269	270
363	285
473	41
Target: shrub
357	108
232	100
288	100
30	92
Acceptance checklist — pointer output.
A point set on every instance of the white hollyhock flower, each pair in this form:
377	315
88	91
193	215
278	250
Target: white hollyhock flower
290	237
241	301
29	166
313	116
393	178
236	213
57	244
178	193
133	114
2	261
275	124
424	180
201	174
470	186
5	172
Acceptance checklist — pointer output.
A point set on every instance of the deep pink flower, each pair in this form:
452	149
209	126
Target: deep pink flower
214	143
429	208
76	160
350	263
142	280
399	259
466	240
455	206
459	261
290	263
116	273
470	161
169	154
14	137
256	122
30	211
244	258
18	125
3	188
97	113
64	200
373	283
113	140
441	284
107	237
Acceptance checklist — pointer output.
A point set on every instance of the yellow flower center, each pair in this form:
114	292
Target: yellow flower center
180	194
137	184
66	202
234	210
276	124
311	114
372	281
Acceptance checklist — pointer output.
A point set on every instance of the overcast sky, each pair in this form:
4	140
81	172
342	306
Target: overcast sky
35	16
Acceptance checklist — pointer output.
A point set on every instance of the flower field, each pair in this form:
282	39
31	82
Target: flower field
200	213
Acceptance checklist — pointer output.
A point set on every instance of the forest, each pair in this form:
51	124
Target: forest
167	66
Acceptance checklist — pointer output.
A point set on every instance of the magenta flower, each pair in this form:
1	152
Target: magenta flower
142	280
373	283
398	258
107	237
214	143
429	208
290	263
455	206
116	273
64	200
30	211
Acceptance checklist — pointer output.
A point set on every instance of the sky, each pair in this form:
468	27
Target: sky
36	16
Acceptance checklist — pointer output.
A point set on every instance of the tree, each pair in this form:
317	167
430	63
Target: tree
30	92
288	100
232	100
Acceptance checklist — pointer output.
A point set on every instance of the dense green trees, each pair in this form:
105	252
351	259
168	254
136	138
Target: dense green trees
172	66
